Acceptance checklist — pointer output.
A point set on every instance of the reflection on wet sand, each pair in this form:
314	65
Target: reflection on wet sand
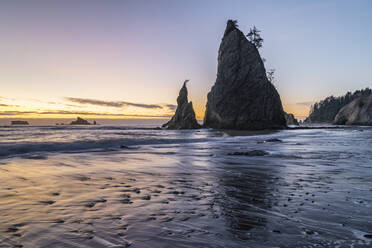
190	195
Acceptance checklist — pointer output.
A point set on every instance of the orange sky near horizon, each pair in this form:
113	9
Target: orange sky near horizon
65	108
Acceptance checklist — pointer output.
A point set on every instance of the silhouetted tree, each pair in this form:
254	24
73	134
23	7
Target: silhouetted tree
255	38
234	22
270	75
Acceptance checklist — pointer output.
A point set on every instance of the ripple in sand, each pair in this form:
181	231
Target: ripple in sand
146	197
167	219
93	203
47	202
12	229
126	201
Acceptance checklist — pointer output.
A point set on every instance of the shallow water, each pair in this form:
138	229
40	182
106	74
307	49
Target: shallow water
75	187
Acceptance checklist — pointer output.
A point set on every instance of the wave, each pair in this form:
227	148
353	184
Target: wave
24	141
9	149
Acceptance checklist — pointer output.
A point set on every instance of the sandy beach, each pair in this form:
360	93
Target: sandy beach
312	189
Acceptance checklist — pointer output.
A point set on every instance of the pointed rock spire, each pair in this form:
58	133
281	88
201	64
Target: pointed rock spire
182	96
242	96
184	118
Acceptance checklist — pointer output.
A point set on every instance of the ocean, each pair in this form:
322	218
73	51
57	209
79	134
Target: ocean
134	185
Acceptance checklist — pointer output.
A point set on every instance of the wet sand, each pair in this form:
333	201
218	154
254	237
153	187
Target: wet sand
313	189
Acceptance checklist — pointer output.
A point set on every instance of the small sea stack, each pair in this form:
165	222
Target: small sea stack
290	119
184	118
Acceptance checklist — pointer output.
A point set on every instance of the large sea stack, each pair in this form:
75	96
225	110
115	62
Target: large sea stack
184	118
358	112
242	96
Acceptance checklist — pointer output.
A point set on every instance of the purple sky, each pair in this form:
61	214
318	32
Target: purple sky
141	51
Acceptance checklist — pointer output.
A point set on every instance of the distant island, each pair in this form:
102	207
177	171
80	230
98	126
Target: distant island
19	123
79	121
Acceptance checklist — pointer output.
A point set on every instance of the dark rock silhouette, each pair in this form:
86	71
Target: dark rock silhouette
326	110
184	118
290	119
80	121
358	112
19	123
242	96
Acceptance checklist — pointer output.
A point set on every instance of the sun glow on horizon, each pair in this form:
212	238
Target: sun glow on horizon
98	109
34	108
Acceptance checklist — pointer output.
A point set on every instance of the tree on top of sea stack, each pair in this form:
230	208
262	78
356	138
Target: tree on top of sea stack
184	118
242	96
235	23
255	37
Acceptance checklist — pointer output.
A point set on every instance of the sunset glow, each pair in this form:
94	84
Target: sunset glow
140	53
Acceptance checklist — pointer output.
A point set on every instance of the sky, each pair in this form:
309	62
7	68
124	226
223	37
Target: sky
128	59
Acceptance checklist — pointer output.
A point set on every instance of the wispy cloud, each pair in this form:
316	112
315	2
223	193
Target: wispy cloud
66	112
16	112
171	106
65	104
116	104
305	103
8	105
